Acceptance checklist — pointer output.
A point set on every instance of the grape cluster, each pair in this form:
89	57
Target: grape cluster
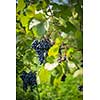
29	79
41	47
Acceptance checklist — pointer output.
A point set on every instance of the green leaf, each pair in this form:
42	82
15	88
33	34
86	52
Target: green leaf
54	51
21	5
40	17
70	27
57	81
33	23
59	10
30	11
36	61
74	22
24	20
65	67
58	41
79	37
44	75
75	61
52	79
56	76
39	30
62	22
50	59
78	73
69	52
59	71
44	4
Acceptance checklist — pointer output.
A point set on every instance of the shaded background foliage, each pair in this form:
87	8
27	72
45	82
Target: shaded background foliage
61	21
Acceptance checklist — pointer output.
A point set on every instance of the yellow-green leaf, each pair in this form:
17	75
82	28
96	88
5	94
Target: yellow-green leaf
58	41
21	5
53	51
57	81
24	20
40	17
30	11
44	75
69	51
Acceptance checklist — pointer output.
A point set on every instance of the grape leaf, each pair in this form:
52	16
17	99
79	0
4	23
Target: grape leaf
39	30
21	5
53	51
44	75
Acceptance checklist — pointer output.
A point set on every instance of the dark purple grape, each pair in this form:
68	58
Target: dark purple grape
63	77
60	50
80	88
82	65
41	48
23	75
34	44
25	86
29	79
41	58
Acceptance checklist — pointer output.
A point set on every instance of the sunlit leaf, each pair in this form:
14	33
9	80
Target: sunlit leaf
44	4
39	30
57	81
24	20
30	11
69	51
50	66
44	75
33	23
65	67
58	41
21	5
78	73
40	17
71	64
53	51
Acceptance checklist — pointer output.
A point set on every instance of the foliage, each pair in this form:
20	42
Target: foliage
61	23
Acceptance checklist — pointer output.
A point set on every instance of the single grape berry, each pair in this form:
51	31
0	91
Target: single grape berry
82	65
60	50
63	77
80	88
81	61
